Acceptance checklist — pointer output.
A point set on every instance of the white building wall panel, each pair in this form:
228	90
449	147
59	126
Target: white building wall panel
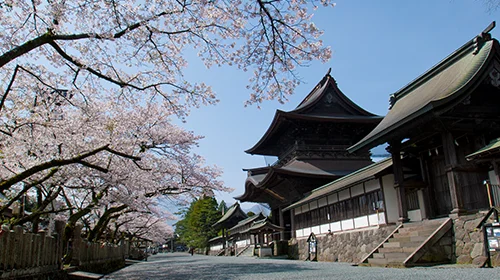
307	231
390	199
347	224
315	229
415	215
313	205
332	198
357	190
335	226
299	233
324	228
361	222
345	194
322	202
372	185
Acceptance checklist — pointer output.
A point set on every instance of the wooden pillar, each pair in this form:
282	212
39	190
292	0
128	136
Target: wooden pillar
397	165
450	158
292	222
282	223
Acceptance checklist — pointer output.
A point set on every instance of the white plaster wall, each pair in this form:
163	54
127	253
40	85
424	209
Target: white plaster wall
374	219
322	202
357	190
415	215
372	185
324	228
315	229
216	248
335	226
345	194
299	233
347	224
242	243
361	222
313	205
391	199
307	231
305	208
421	204
332	198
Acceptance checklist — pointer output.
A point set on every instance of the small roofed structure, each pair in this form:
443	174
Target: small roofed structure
231	218
264	233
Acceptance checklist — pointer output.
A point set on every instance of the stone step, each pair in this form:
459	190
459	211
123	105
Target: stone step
401	244
386	262
414	232
408	238
397	250
391	256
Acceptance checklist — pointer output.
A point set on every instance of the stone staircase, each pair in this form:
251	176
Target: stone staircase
246	252
412	244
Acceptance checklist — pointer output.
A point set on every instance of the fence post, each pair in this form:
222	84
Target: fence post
77	243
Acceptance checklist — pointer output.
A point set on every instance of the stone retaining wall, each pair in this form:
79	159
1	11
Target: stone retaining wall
349	246
469	240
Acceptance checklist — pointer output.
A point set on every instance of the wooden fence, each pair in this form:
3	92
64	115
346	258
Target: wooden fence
23	254
27	254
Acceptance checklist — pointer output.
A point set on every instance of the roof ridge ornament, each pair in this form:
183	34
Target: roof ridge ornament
482	38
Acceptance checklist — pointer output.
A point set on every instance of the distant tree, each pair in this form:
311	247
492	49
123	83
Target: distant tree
195	229
250	214
222	207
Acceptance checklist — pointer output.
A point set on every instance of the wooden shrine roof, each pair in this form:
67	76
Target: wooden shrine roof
447	81
362	175
325	103
296	168
233	215
263	225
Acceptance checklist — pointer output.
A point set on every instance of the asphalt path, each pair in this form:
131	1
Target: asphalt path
183	266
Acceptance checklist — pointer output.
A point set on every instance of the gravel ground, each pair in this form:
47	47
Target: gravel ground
183	266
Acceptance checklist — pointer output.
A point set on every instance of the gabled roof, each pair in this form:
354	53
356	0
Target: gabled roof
233	215
263	225
447	81
325	103
247	221
362	175
492	148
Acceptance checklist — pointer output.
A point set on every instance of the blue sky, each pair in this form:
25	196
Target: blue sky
378	47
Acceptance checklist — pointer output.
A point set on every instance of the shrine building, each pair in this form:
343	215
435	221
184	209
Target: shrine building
425	204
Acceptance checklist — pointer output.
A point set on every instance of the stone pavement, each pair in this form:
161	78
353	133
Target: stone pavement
183	266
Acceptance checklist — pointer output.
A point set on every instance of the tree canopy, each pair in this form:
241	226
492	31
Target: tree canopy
195	228
89	90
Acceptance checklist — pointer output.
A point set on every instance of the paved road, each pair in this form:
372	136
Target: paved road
183	266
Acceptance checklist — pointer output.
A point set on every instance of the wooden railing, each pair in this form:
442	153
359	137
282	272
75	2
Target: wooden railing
493	194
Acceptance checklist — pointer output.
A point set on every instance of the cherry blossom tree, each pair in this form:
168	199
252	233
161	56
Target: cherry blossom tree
89	89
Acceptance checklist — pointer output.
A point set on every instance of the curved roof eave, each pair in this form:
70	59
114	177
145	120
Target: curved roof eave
445	82
315	96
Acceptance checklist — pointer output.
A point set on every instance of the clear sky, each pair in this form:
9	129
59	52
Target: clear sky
378	47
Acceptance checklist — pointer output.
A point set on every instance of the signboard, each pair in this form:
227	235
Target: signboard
493	236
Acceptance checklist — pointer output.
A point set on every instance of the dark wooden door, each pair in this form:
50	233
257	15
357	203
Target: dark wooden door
440	190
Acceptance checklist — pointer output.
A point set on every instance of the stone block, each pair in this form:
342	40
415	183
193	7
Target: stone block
464	259
477	250
459	234
476	236
479	261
